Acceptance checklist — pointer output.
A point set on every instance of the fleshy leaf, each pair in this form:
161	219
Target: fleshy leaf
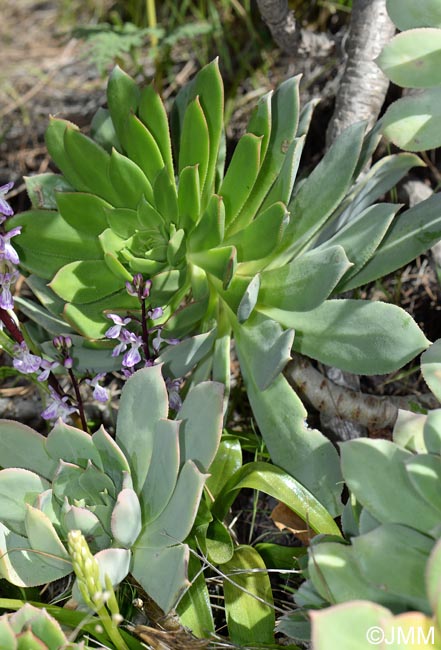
21	446
413	59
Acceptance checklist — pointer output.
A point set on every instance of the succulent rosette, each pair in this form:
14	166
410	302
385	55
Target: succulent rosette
133	498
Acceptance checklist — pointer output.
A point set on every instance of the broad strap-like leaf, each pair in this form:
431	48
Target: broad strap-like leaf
84	212
342	333
72	445
179	359
86	281
248	598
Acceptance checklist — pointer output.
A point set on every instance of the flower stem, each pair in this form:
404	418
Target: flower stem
79	399
145	332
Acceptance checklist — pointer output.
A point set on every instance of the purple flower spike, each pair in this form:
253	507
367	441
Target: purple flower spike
47	367
99	393
57	407
5	208
133	356
6	279
156	313
114	332
7	251
24	361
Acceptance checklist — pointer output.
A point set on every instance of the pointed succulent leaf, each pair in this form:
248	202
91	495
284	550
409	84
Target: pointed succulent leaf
44	540
18	487
76	518
305	117
391	498
344	626
153	114
284	183
248	300
411	122
162	573
46	296
179	359
336	576
95	484
239	181
163	471
183	322
394	557
220	262
26	568
122	98
189	197
165	197
84	212
72	445
260	122
91	163
409	235
317	198
307	456
66	482
407	14
248	598
54	244
142	148
115	563
112	458
42	189
143	402
361	236
284	121
85	281
21	446
424	471
412	59
433	581
103	131
431	368
201	423
262	235
149	218
408	431
194	148
128	181
42	317
373	185
271	346
175	522
304	283
122	221
340	333
54	138
209	232
126	518
42	625
165	286
7	635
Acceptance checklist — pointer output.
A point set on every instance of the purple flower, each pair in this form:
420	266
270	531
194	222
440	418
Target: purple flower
174	399
7	251
133	356
138	287
156	313
57	407
114	332
24	361
99	393
158	340
5	208
6	279
47	367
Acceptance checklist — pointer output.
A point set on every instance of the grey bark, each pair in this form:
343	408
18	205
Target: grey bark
287	35
363	86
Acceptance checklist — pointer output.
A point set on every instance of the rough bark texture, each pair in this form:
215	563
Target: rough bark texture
291	39
363	86
346	404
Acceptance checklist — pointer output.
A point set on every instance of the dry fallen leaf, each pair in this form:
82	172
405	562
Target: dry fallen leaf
285	519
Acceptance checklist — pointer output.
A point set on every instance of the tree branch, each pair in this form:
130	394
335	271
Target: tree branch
363	86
